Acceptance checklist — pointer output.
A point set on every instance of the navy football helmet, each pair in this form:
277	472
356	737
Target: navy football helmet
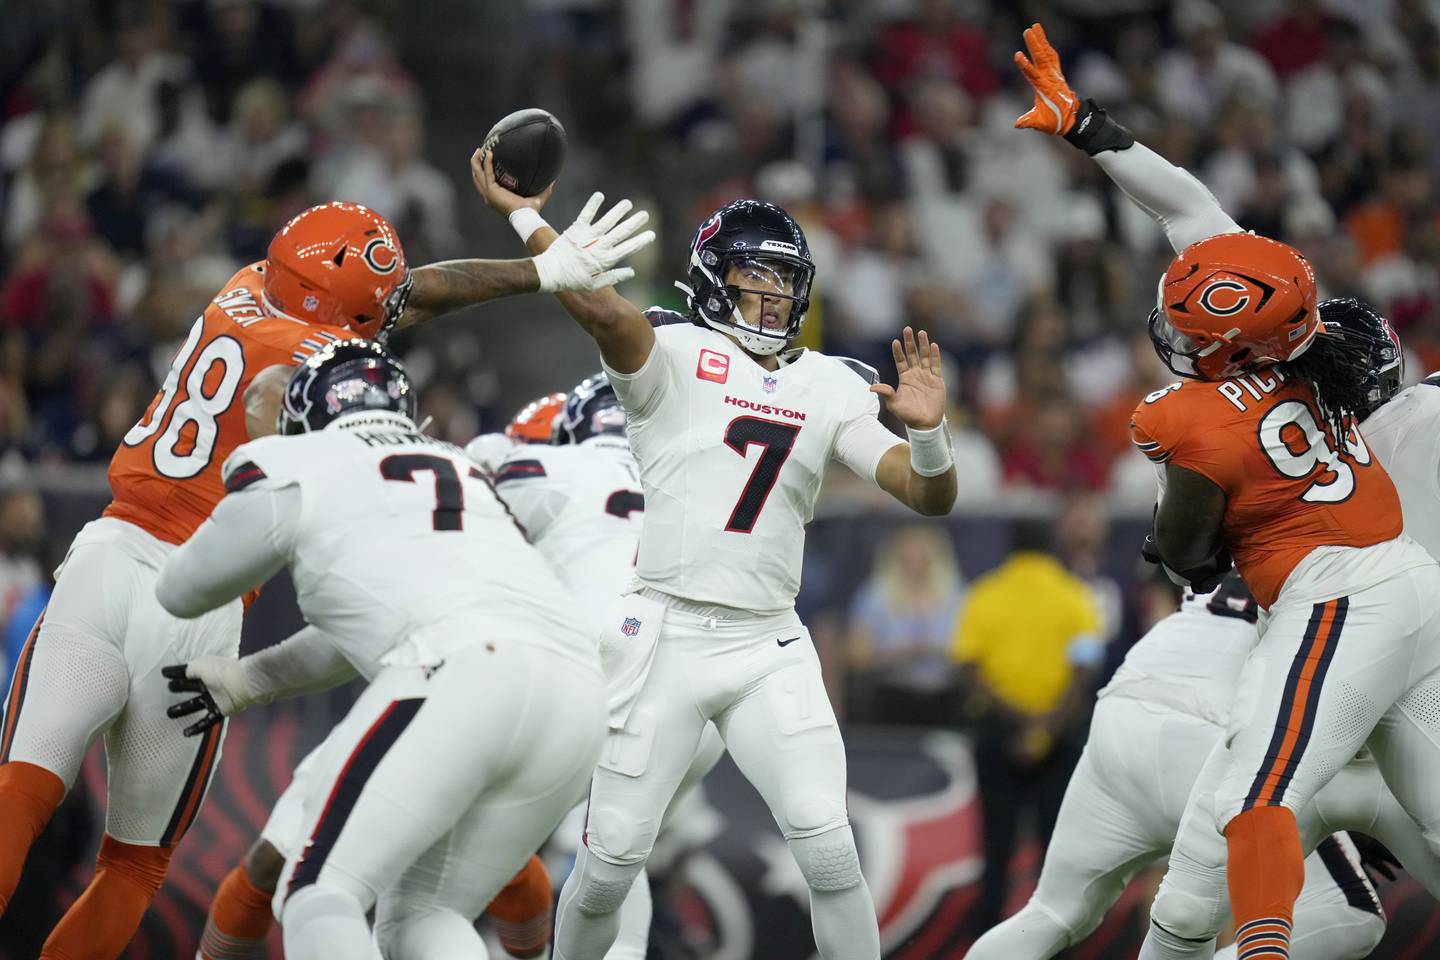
1234	599
769	248
591	409
1357	320
346	377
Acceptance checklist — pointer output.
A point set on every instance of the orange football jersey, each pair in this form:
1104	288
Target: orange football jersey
165	476
1289	486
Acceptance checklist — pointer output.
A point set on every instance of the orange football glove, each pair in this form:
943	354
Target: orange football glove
1055	103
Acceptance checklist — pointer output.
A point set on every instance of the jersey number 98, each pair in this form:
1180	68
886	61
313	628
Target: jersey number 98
199	411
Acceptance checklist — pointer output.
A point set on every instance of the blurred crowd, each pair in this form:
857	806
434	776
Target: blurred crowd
886	127
149	148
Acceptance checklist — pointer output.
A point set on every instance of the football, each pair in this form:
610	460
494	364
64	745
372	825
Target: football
529	149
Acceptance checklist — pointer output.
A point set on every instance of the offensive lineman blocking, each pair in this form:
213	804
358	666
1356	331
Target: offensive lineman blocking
91	664
732	436
481	649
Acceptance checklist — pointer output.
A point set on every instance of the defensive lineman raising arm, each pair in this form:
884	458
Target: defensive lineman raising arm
1187	523
923	479
1176	200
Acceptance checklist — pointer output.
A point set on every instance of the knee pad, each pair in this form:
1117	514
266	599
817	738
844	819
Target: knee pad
811	814
603	885
1185	916
613	836
143	866
318	903
437	934
828	860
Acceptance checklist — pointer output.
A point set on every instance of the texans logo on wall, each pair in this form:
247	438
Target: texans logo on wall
916	816
726	885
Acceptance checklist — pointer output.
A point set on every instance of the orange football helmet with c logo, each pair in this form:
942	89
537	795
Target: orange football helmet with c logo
338	265
535	423
1231	303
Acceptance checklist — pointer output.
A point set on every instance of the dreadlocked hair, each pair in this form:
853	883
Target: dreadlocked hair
1336	367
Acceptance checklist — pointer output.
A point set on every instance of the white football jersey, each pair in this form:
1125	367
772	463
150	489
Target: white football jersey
1191	660
400	539
731	457
582	507
1403	434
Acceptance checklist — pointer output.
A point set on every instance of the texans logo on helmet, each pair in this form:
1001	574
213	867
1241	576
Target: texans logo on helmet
707	230
380	257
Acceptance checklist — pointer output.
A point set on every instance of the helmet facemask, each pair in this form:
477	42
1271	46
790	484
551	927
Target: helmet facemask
393	307
760	299
749	260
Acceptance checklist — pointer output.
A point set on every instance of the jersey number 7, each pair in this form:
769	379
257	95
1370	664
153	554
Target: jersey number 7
449	492
778	439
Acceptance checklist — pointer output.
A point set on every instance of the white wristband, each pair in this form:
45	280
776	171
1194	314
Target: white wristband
526	221
930	451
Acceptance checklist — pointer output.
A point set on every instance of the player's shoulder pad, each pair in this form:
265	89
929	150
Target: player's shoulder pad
531	461
661	317
266	462
864	371
1152	423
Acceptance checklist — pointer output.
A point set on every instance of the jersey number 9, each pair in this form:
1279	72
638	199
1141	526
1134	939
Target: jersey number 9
1296	445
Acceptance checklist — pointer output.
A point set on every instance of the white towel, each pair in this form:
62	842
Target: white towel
627	648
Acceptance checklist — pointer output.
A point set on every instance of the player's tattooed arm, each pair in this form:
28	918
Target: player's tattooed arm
439	288
920	473
1188	522
262	399
620	329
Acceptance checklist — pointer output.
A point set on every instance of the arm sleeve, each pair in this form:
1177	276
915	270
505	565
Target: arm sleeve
244	543
862	439
1171	195
305	662
640	391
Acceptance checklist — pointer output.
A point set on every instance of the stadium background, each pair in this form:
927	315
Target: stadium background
147	149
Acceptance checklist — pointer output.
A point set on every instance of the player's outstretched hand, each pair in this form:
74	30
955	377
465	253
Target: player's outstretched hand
1055	103
222	689
918	398
587	254
504	202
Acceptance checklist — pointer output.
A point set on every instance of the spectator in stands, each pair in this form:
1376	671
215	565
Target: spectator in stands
22	533
936	43
900	626
261	136
123	92
1209	69
1027	643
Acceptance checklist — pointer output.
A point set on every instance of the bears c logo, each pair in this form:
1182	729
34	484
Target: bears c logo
380	256
1220	297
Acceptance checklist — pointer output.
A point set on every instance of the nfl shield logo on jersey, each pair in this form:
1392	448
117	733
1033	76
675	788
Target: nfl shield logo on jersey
769	383
630	627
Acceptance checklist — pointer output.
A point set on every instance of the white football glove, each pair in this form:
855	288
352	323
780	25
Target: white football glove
223	687
584	258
